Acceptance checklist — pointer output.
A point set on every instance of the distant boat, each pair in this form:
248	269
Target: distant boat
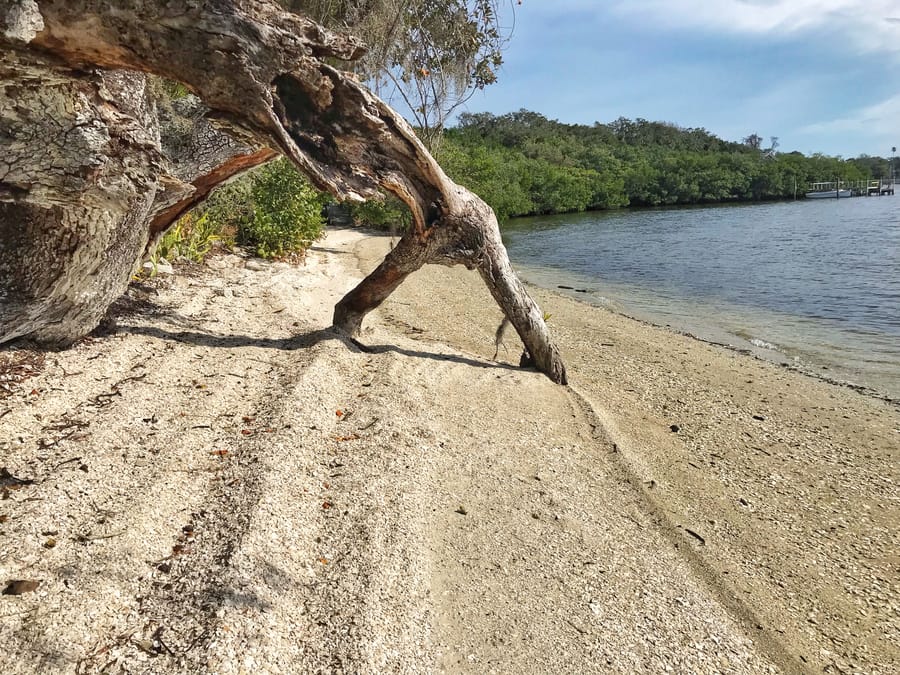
829	194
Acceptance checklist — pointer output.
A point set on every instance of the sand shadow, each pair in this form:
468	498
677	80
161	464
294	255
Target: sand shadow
326	249
303	341
437	356
205	339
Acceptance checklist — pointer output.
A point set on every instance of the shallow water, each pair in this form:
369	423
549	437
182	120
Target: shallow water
815	284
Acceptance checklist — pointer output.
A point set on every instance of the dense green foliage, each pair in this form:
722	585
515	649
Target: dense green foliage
273	210
389	214
286	211
522	163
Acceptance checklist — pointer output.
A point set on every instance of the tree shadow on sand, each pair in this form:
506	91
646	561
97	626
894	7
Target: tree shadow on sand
302	341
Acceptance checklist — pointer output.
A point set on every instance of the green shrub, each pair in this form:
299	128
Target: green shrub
231	205
193	236
286	212
273	210
389	214
165	90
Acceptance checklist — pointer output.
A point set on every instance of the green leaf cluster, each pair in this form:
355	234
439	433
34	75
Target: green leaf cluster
192	237
285	211
388	214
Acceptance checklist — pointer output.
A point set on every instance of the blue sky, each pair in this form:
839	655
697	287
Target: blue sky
822	75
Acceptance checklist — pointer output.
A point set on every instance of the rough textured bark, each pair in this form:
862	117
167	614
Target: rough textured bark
89	173
264	71
200	154
77	182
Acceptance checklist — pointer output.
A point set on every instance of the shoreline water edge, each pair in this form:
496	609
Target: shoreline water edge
756	348
813	285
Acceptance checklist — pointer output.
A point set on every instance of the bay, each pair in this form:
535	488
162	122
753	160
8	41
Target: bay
812	284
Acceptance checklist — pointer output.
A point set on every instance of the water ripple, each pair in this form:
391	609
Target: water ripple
820	279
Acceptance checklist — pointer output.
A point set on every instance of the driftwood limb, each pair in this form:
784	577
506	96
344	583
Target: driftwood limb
263	71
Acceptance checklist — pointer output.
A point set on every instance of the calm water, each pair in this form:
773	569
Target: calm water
812	283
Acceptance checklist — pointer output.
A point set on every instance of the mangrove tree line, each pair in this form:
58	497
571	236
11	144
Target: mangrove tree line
522	163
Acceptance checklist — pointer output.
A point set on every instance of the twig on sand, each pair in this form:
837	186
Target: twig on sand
576	627
84	538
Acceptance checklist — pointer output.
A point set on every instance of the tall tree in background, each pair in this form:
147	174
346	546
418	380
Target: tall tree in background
431	55
753	141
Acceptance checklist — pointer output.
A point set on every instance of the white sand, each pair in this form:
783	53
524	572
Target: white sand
212	512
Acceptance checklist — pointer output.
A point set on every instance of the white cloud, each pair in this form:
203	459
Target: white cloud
868	25
880	119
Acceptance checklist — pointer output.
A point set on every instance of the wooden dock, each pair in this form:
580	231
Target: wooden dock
878	188
839	189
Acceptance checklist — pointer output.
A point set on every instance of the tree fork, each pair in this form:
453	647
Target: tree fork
469	236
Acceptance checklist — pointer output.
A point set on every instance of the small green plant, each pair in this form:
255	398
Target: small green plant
286	212
167	90
273	210
192	237
231	205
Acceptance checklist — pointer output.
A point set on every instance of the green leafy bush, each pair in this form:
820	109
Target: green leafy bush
231	205
285	211
389	214
273	210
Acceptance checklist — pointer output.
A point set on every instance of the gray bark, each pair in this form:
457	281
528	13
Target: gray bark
263	72
201	154
89	174
77	182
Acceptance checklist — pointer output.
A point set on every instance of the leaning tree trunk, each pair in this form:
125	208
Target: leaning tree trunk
264	71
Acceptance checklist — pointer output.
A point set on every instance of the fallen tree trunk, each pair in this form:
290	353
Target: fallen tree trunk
264	72
73	196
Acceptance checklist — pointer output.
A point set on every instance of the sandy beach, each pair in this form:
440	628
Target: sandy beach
219	483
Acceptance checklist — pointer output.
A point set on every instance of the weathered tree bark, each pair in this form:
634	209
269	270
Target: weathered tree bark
264	72
200	154
89	172
74	200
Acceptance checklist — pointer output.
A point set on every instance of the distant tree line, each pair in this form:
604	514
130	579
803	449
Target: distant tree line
522	163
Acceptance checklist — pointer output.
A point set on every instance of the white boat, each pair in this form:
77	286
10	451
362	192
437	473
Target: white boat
830	194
